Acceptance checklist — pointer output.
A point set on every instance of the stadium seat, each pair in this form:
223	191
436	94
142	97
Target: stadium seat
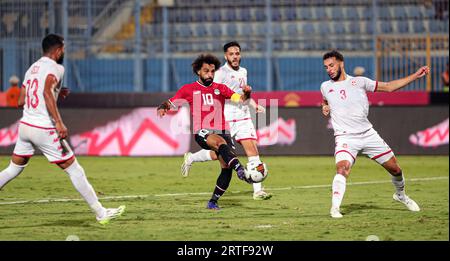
305	13
321	13
355	28
277	45
292	29
201	30
244	14
215	15
215	29
339	28
261	29
232	29
324	28
276	14
369	27
400	12
337	13
352	13
260	14
384	12
429	12
415	12
293	45
230	15
308	28
386	27
277	29
184	30
290	13
403	26
247	29
199	15
418	26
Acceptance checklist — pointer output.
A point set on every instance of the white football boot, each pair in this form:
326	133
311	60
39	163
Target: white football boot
111	213
409	203
335	213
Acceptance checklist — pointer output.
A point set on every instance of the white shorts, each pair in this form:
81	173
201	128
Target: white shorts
46	140
369	142
242	130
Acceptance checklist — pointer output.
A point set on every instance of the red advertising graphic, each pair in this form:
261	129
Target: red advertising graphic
139	133
431	137
280	132
8	135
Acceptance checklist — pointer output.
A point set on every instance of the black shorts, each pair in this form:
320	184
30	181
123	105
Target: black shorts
202	135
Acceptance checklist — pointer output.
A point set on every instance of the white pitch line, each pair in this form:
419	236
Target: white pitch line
50	200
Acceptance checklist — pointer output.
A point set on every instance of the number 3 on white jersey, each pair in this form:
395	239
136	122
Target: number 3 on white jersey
207	99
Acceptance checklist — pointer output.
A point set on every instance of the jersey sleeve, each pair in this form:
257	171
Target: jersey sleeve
56	71
180	96
226	91
368	84
322	90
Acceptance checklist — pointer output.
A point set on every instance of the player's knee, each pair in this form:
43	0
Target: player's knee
395	170
14	169
343	168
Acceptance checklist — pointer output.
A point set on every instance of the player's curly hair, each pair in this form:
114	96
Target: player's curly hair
205	58
334	54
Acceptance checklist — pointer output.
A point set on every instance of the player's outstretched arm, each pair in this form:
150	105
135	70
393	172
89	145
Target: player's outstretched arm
50	101
258	108
400	83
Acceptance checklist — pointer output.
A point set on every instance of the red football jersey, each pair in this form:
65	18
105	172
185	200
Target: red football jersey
206	104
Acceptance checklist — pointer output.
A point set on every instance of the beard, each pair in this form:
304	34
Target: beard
234	67
338	74
207	81
60	60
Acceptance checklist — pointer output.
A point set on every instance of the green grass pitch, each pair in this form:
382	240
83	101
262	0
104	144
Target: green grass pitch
161	205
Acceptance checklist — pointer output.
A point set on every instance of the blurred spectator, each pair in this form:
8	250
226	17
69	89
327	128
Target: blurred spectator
441	7
13	93
359	71
444	77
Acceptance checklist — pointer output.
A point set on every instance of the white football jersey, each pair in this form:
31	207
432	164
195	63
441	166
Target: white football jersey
349	106
235	80
35	110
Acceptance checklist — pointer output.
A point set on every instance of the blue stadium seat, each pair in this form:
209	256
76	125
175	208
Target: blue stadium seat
261	29
429	12
201	30
418	26
386	27
340	45
199	15
400	12
290	13
230	15
352	13
403	26
215	29
277	45
305	13
184	30
384	12
339	27
260	14
292	29
367	13
293	45
308	28
369	27
415	12
182	16
337	13
356	45
244	14
277	29
247	29
321	13
276	14
437	26
232	29
324	28
355	27
215	14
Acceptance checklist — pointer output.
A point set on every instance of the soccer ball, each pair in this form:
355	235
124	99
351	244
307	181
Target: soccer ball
256	171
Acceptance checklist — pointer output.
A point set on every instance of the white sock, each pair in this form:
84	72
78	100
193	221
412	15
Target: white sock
200	156
339	183
10	173
399	184
81	184
256	186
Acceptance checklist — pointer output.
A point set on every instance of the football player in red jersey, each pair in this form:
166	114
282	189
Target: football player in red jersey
206	100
